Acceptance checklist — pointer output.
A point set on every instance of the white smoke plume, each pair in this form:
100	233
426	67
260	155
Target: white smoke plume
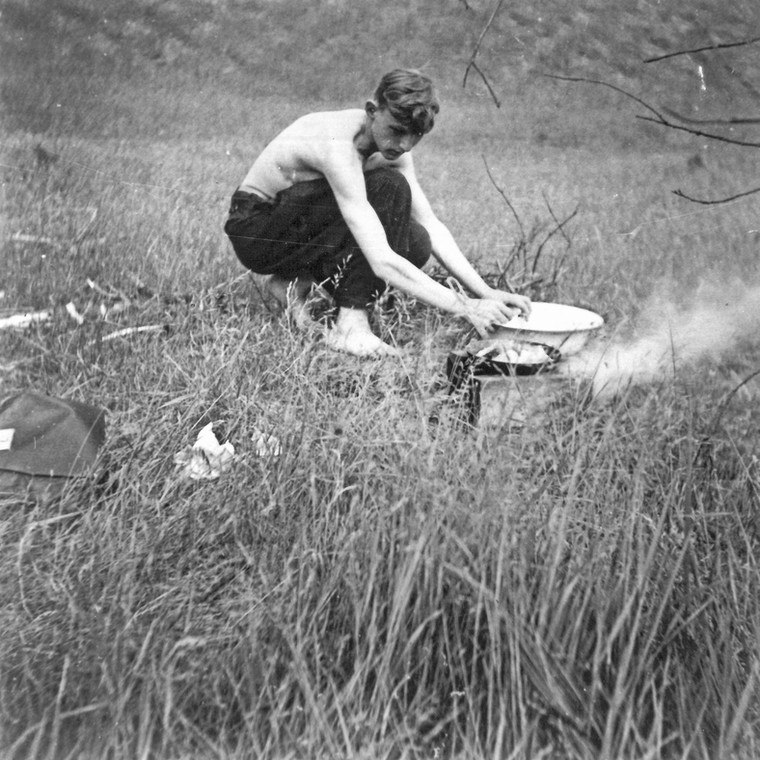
714	322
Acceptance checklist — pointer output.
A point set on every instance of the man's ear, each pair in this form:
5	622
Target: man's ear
370	108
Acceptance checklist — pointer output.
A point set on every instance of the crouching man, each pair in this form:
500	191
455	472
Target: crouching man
334	199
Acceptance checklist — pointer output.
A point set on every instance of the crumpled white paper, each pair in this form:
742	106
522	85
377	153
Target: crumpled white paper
206	459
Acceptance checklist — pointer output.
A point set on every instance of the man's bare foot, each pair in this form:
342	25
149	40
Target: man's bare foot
292	296
352	333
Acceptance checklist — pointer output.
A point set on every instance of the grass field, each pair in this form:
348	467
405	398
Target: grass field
392	584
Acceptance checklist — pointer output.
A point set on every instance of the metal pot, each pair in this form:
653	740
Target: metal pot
566	328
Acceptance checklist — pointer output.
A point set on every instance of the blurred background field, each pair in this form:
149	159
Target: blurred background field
170	103
585	586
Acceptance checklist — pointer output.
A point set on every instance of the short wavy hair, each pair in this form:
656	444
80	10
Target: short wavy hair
409	97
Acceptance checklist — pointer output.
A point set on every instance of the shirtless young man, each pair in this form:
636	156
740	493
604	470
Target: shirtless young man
334	199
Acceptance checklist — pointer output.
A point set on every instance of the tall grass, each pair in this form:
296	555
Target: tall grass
394	583
388	586
584	590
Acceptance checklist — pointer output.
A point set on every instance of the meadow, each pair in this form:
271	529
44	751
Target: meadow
392	583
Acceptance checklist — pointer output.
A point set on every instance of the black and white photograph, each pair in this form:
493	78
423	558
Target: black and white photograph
379	380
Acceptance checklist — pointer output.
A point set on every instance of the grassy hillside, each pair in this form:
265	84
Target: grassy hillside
579	580
71	66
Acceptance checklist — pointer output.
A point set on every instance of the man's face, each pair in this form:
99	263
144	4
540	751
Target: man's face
392	138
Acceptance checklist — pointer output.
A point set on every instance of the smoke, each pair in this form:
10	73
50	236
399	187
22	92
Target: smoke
713	323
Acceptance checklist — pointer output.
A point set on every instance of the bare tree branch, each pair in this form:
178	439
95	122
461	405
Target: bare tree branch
504	196
659	118
702	49
704	202
485	29
662	121
612	87
700	133
559	227
559	224
473	65
689	120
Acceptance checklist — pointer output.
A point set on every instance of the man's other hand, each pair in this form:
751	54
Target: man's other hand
485	314
517	304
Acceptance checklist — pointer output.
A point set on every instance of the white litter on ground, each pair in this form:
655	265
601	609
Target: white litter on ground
20	237
206	459
24	320
131	331
71	309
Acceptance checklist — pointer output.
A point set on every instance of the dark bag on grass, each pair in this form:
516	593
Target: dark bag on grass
45	442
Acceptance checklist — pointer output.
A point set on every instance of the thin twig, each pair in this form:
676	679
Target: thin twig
612	87
704	202
689	120
558	228
506	200
473	65
700	133
702	49
521	247
485	29
554	217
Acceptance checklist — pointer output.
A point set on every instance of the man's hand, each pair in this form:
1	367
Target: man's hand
486	313
516	304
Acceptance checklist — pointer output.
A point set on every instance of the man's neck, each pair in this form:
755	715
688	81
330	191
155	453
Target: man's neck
363	141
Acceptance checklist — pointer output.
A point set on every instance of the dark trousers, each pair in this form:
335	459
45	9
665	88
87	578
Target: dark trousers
302	234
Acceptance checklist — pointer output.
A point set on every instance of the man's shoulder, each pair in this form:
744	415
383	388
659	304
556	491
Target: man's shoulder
344	114
323	140
329	122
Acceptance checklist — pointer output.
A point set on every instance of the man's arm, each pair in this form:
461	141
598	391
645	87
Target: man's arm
347	182
445	247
